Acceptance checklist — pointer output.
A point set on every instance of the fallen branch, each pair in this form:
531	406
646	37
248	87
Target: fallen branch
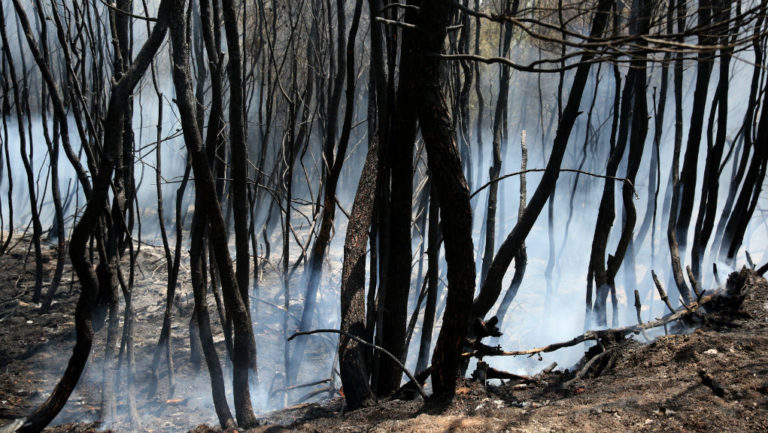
307	385
372	346
307	396
602	334
421	378
712	383
587	366
762	269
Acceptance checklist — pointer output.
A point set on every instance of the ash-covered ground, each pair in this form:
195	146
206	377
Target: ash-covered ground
711	378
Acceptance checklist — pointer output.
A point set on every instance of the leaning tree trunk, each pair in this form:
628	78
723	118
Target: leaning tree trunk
491	288
688	173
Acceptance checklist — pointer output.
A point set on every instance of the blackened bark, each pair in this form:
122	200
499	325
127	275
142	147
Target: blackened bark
394	305
690	161
705	220
239	169
750	191
346	65
495	169
197	271
20	100
720	242
521	258
452	190
95	208
672	239
352	360
205	186
634	117
433	268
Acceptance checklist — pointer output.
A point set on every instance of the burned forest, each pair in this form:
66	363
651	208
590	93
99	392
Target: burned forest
383	215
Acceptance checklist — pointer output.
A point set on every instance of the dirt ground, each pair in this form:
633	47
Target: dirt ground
712	378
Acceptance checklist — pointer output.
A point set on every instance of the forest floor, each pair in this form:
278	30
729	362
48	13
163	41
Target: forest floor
711	378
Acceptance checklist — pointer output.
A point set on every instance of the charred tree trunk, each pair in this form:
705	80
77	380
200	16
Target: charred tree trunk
95	210
672	232
495	170
705	220
491	288
452	190
204	185
688	174
433	268
396	286
239	169
353	368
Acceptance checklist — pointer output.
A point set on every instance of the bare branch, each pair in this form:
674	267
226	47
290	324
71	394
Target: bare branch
372	346
538	170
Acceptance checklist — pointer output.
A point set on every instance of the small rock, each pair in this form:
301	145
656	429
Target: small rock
711	352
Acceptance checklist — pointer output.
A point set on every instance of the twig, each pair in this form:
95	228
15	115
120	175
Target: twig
546	370
126	13
305	397
761	270
396	23
587	366
307	385
372	346
399	5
